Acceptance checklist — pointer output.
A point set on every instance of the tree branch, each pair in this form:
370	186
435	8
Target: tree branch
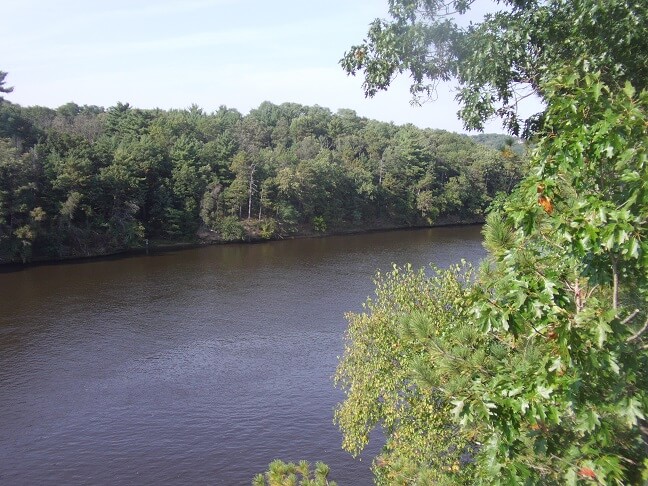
615	284
630	317
637	334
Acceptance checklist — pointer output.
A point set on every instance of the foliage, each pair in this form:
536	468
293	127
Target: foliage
576	295
230	229
103	180
383	345
290	474
502	59
3	88
319	224
267	228
501	142
547	369
20	214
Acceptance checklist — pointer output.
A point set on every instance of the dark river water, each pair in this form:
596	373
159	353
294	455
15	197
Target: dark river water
191	367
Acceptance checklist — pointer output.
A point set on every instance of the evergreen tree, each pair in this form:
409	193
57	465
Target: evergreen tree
545	373
3	88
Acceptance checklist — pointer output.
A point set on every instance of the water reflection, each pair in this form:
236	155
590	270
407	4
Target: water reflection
197	366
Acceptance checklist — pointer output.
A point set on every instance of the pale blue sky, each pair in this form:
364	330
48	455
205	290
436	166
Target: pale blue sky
171	53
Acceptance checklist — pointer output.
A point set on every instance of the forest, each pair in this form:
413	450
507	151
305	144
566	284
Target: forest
530	369
84	180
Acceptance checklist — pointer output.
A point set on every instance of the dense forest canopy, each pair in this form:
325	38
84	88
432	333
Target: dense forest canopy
84	180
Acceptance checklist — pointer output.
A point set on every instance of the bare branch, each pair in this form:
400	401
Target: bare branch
638	334
630	317
591	291
615	284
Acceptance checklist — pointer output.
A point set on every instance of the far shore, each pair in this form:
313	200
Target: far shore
210	238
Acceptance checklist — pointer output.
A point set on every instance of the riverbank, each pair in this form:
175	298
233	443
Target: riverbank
206	237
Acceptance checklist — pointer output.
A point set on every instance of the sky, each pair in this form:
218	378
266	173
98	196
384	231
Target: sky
175	53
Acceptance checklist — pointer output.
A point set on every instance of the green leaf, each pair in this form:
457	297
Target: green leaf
602	330
544	392
588	421
458	408
540	445
632	411
571	478
556	365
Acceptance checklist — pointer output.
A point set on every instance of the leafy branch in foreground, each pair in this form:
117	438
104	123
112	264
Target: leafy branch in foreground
537	372
546	369
502	59
572	280
384	344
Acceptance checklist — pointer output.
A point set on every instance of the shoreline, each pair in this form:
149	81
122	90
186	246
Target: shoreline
162	246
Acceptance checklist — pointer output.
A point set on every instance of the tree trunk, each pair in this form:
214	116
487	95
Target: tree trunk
250	189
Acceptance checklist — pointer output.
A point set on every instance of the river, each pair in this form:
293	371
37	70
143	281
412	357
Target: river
190	367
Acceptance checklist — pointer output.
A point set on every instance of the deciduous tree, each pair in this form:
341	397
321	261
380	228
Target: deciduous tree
547	369
504	58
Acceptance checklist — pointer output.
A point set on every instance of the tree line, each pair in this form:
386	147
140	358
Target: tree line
85	180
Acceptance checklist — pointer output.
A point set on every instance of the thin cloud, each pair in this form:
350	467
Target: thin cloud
80	14
161	9
78	51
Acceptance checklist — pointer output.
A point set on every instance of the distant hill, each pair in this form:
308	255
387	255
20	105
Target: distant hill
498	141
